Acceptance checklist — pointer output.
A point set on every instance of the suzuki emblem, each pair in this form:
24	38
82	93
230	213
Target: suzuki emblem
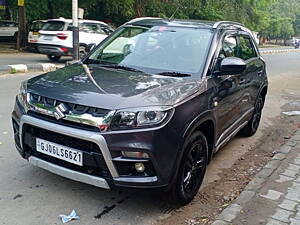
60	110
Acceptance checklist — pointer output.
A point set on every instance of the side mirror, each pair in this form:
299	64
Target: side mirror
232	66
90	47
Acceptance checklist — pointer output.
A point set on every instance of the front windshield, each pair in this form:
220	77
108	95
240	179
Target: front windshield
157	50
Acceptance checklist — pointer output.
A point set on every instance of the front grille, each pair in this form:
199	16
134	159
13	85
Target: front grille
93	161
63	122
74	108
42	101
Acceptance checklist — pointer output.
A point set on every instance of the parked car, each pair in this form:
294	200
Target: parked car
297	43
147	108
56	38
33	34
8	29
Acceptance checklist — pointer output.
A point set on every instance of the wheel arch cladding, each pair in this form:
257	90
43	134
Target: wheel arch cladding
208	129
263	92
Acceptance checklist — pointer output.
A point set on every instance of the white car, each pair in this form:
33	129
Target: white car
56	39
33	35
8	29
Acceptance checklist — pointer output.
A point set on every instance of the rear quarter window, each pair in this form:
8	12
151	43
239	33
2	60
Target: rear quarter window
54	26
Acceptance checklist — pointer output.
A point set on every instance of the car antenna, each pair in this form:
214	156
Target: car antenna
172	16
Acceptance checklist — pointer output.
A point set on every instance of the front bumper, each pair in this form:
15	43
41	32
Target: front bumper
113	179
71	174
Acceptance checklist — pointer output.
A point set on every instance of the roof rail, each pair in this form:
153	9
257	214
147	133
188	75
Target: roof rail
142	18
218	24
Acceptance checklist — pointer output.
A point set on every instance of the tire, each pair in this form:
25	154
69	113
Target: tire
82	51
53	58
252	126
192	170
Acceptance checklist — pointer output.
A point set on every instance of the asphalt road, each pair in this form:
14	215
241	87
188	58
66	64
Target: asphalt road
29	195
28	58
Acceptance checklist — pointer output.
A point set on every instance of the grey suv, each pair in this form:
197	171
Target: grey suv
147	108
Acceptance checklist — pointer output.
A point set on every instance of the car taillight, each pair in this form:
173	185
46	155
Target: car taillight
62	36
64	49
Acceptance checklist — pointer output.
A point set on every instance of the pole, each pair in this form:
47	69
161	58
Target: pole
22	25
75	30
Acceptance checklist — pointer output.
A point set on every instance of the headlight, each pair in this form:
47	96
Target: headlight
140	117
23	95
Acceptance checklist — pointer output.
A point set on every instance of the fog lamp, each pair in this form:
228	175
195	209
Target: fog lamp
141	155
139	167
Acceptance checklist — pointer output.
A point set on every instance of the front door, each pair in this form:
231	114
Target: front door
227	99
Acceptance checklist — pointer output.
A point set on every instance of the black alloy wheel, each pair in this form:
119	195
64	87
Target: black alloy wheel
192	169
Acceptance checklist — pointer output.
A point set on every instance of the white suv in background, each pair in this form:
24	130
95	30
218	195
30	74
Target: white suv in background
56	37
8	29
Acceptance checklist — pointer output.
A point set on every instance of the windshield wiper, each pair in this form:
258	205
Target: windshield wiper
174	74
116	66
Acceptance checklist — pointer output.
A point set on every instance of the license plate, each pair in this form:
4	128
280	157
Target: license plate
48	38
68	154
35	33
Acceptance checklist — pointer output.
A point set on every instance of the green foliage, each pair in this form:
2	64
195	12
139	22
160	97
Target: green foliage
271	18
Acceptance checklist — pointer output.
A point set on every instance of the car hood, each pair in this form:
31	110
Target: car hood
111	88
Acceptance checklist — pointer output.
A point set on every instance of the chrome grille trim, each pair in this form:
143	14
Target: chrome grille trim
86	115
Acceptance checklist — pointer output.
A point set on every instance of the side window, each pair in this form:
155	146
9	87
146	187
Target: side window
247	50
91	28
229	47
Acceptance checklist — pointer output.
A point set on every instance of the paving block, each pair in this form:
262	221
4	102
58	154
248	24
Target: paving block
265	172
245	197
296	161
273	164
283	178
294	167
255	184
292	143
293	195
230	212
294	221
290	173
279	156
296	137
282	215
285	149
288	205
272	195
275	222
220	222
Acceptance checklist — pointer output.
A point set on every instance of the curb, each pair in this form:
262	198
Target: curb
232	210
274	51
25	68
